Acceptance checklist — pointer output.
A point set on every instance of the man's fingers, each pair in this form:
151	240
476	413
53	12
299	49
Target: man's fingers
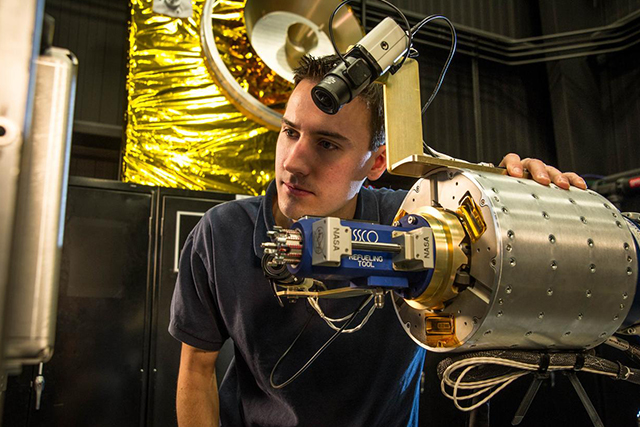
513	164
538	170
558	178
576	180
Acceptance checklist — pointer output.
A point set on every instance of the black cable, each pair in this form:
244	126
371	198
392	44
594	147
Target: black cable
452	51
320	350
402	15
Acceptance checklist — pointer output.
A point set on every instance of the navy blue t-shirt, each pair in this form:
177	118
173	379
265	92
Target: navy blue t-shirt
367	378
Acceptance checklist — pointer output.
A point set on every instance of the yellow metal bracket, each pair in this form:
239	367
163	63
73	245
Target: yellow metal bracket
403	125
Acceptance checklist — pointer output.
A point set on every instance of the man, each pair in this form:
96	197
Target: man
368	378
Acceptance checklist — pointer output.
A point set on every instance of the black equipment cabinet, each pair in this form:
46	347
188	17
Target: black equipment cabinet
114	362
179	211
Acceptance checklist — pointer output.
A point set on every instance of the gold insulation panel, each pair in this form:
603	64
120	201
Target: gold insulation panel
181	131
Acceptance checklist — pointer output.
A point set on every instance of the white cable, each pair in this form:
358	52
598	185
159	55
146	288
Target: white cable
493	385
313	302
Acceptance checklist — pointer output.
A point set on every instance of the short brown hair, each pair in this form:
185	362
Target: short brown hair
315	68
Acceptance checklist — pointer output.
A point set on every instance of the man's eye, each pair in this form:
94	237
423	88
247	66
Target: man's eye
328	145
289	132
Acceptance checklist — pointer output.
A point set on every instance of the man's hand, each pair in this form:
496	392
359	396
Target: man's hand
544	174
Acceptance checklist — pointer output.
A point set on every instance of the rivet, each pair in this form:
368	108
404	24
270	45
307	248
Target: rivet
619	224
590	243
500	301
606	206
580	316
554	265
509	247
512	262
592	268
535	196
505	211
549	291
496	199
541	315
625	295
487	332
588	293
512	235
602	335
545	215
552	238
583	219
616	317
566	334
572	201
626	246
621	306
508	289
493	262
629	271
528	334
495	190
499	314
483	202
475	320
629	259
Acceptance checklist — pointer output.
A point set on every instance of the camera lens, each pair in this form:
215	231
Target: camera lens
324	101
330	94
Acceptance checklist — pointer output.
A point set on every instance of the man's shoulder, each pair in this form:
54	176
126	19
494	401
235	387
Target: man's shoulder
234	216
246	207
387	198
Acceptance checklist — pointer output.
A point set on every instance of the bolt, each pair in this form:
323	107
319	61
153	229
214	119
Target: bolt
412	220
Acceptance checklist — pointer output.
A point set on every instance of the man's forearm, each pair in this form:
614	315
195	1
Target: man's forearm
197	401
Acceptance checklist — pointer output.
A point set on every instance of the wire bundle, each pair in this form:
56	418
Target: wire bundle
488	372
314	302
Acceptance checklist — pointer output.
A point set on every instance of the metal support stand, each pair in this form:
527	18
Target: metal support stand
535	386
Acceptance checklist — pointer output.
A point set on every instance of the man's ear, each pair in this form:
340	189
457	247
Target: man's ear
379	163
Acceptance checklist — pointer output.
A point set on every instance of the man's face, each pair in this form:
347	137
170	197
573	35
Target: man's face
322	160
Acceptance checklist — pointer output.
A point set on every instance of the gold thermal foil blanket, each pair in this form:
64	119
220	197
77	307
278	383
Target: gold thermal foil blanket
181	130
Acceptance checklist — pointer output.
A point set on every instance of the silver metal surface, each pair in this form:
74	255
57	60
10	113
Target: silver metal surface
555	268
331	240
20	24
32	294
416	249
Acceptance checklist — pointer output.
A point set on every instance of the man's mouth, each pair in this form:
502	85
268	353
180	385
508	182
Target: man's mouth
296	190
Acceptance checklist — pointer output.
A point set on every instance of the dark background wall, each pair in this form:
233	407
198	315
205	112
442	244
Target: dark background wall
579	114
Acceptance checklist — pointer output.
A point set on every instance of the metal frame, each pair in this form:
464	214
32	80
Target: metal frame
20	28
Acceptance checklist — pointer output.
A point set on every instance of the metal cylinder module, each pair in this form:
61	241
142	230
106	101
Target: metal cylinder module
554	269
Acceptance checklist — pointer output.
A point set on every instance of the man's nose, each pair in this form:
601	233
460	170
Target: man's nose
300	157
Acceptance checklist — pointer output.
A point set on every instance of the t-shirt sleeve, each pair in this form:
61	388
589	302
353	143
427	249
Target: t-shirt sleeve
195	318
